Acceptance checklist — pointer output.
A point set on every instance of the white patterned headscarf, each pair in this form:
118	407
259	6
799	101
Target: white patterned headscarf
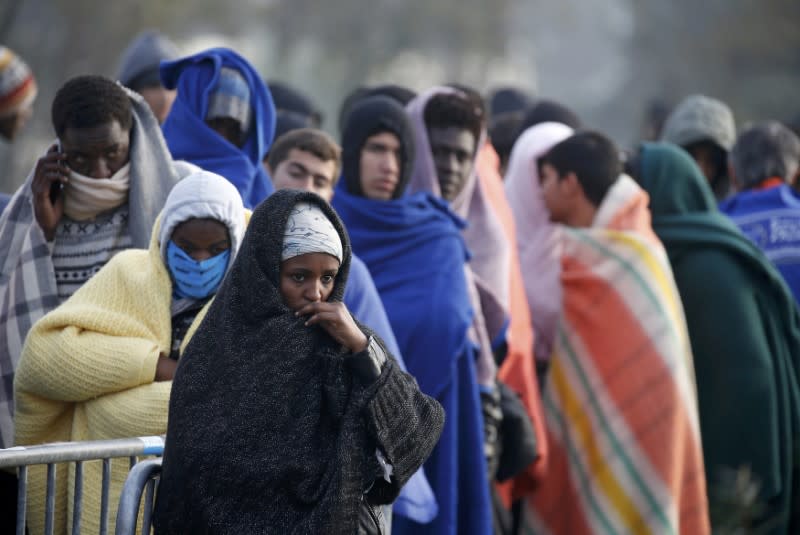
308	230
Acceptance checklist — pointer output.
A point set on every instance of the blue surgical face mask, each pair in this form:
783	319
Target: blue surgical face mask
192	278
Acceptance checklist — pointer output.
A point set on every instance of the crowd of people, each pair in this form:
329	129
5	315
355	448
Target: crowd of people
467	316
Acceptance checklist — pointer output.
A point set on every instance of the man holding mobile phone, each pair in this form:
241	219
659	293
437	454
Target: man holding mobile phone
96	192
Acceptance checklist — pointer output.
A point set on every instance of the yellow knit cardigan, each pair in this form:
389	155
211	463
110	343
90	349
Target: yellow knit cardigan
87	373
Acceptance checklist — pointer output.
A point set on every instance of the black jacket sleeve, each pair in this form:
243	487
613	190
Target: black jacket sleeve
404	422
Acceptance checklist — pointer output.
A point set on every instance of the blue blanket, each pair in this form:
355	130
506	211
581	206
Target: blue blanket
414	249
416	500
363	301
189	138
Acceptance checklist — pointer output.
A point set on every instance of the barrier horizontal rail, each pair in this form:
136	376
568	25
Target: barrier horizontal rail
21	457
62	452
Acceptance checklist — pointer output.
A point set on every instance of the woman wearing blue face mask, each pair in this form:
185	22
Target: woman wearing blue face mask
100	366
197	239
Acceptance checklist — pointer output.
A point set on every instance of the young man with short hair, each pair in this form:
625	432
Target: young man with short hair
576	175
620	349
307	159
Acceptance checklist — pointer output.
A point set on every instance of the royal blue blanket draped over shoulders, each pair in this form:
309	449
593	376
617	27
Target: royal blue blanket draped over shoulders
415	251
363	301
416	500
189	138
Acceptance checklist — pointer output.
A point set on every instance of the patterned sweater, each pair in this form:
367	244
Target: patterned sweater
81	248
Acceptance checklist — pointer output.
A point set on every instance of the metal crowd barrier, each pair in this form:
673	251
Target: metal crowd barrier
76	452
142	478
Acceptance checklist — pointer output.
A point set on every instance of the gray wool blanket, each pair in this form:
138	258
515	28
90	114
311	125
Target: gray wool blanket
269	430
27	278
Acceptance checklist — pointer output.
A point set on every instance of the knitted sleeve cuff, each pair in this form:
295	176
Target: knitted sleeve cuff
405	423
367	365
149	365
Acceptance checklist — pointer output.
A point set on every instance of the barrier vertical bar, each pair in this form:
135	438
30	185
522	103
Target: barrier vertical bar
77	501
50	504
22	498
104	497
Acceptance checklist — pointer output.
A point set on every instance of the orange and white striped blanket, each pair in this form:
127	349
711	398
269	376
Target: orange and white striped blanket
620	402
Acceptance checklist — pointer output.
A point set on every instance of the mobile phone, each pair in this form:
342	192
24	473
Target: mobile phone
56	187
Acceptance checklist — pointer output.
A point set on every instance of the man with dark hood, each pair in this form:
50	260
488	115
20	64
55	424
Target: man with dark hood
764	160
413	246
704	127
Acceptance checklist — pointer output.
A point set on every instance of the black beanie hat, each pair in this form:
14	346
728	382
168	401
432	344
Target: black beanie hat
545	111
371	116
401	94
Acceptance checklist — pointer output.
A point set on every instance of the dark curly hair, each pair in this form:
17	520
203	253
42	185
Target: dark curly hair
90	100
454	110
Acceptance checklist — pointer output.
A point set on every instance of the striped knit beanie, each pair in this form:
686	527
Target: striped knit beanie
17	85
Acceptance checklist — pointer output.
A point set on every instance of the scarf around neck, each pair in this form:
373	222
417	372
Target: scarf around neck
85	197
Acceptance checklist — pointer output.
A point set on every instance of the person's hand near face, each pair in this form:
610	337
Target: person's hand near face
50	176
338	322
306	283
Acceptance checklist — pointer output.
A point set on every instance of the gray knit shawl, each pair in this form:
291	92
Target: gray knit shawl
266	431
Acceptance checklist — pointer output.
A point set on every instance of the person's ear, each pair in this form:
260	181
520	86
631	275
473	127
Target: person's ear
570	186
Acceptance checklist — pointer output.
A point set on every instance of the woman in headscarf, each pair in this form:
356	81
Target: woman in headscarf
287	415
744	329
100	366
222	120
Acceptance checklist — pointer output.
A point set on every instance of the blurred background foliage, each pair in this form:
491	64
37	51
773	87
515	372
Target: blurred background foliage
610	60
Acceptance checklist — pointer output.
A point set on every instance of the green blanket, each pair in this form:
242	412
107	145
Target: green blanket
744	328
